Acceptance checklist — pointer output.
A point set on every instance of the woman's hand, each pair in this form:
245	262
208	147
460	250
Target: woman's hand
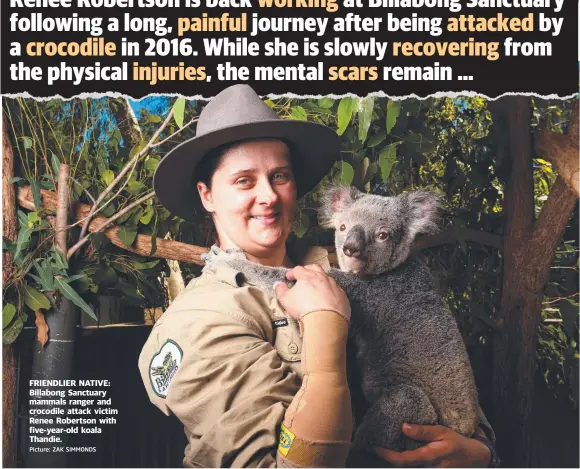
314	291
446	448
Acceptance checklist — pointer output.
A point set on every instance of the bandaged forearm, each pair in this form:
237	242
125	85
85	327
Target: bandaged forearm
317	427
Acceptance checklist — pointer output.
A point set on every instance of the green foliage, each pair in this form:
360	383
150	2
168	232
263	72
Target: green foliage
388	147
178	111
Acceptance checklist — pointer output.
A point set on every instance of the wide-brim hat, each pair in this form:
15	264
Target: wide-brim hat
236	114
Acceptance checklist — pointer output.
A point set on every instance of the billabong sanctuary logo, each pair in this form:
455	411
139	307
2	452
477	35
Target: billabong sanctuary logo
163	367
285	441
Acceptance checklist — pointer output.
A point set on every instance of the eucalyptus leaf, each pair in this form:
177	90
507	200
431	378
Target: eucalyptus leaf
55	164
83	284
393	111
145	265
376	139
69	293
179	111
36	278
365	116
35	188
387	159
147	215
326	103
371	171
346	108
8	313
33	219
346	173
127	216
300	224
27	141
98	239
33	298
75	277
298	113
151	164
59	258
46	275
22	218
109	210
10	334
22	240
137	148
108	177
136	187
127	235
16	179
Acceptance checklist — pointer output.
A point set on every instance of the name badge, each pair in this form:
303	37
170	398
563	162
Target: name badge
280	323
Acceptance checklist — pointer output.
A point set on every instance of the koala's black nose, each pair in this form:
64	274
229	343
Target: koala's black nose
355	242
351	252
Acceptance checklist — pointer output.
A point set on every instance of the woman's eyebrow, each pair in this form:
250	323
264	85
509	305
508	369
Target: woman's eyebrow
256	170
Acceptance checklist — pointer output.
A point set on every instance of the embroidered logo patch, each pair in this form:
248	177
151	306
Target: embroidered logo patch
163	367
286	440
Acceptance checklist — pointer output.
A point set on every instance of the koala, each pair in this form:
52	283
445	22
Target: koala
410	356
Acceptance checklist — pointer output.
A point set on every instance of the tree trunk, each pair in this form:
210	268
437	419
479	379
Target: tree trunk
10	224
529	249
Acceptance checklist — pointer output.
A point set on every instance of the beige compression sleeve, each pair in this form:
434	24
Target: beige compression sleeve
317	427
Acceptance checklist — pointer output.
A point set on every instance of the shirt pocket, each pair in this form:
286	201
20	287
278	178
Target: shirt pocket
287	340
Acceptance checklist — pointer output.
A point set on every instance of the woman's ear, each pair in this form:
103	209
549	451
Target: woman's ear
205	196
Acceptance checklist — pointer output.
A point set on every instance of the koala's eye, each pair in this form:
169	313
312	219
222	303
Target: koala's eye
382	236
342	227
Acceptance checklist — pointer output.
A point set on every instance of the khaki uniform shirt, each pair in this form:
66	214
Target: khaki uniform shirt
225	360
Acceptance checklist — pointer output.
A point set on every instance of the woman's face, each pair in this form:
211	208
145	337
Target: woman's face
252	196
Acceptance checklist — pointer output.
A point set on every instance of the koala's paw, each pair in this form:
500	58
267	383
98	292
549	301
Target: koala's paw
216	256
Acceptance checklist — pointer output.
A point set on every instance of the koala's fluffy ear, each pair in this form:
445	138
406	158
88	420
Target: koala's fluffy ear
424	208
336	198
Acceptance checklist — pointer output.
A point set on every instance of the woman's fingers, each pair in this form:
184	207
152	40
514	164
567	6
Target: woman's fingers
314	291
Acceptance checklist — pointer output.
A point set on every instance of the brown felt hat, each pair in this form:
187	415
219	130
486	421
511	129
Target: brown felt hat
236	114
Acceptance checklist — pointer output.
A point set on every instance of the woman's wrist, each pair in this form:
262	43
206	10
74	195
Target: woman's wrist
493	458
324	343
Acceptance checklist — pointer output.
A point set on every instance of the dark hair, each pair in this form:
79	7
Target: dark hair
208	164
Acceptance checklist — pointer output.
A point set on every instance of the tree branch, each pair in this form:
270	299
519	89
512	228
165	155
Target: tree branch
126	121
109	221
95	208
452	236
175	133
562	151
553	218
165	249
511	121
62	209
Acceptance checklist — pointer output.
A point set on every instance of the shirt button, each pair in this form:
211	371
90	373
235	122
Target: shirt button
293	348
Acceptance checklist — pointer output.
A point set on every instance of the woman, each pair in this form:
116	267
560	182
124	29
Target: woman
257	380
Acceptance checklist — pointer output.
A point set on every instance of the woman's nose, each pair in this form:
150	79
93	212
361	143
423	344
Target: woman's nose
266	193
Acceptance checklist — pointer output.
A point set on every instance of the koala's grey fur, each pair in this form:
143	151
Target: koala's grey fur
411	357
